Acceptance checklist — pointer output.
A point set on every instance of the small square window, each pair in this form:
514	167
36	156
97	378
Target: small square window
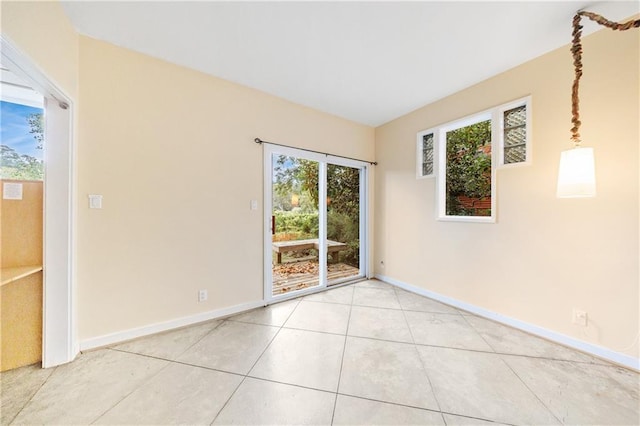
425	154
515	142
515	135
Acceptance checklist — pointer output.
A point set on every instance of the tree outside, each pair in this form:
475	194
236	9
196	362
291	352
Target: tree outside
295	204
22	142
468	176
19	167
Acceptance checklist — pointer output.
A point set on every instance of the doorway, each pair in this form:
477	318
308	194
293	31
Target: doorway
21	202
59	343
315	221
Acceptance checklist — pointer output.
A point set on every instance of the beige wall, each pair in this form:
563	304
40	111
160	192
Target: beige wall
42	31
172	152
544	255
177	220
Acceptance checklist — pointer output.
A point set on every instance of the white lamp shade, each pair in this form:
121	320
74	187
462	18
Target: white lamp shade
577	177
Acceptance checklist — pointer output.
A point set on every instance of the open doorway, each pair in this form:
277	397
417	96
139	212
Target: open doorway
57	326
21	228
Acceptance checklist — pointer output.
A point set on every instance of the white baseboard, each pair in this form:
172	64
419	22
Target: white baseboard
590	348
121	336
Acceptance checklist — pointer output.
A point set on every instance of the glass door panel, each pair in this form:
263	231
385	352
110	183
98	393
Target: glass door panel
295	224
344	223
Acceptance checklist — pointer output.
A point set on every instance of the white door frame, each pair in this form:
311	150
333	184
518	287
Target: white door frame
59	339
323	160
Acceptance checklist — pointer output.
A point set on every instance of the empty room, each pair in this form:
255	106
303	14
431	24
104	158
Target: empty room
320	213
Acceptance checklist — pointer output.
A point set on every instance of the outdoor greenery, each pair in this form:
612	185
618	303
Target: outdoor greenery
468	168
295	203
24	167
36	127
296	225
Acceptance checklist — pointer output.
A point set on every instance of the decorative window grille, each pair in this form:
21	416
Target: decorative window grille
427	154
426	142
515	135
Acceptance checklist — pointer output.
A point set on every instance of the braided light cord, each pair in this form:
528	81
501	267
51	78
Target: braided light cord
576	50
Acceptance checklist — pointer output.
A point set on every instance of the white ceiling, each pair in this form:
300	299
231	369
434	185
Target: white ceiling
369	62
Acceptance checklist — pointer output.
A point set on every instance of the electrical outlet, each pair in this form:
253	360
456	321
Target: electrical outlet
579	317
202	295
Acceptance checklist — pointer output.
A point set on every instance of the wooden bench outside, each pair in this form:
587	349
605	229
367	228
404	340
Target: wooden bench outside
298	245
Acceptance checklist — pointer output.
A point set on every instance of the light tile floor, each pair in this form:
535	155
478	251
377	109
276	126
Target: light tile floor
367	353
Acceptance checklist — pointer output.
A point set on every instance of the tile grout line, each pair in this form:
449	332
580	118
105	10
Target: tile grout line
344	350
457	311
423	409
32	396
531	390
504	358
133	390
172	360
501	423
515	354
399	404
262	379
479	334
444	420
492	351
227	401
254	364
315	331
465	316
415	347
300	299
552	359
202	338
175	361
511	369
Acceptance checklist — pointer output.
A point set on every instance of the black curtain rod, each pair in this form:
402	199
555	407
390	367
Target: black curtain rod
260	141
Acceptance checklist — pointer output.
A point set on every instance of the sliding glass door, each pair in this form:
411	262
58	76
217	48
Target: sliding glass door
295	224
314	221
344	224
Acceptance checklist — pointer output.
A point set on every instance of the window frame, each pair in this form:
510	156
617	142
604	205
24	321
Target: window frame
496	115
526	102
419	157
441	193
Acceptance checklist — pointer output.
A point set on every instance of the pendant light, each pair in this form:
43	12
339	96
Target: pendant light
576	176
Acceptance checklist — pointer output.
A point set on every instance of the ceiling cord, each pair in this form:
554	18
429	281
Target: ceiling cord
576	50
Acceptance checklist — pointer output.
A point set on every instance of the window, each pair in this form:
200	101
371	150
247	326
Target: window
425	146
514	136
466	178
463	156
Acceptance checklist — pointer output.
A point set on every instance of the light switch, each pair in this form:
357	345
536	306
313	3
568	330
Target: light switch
254	204
95	201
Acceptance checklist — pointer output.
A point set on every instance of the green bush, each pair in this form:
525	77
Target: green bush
340	227
292	222
345	229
